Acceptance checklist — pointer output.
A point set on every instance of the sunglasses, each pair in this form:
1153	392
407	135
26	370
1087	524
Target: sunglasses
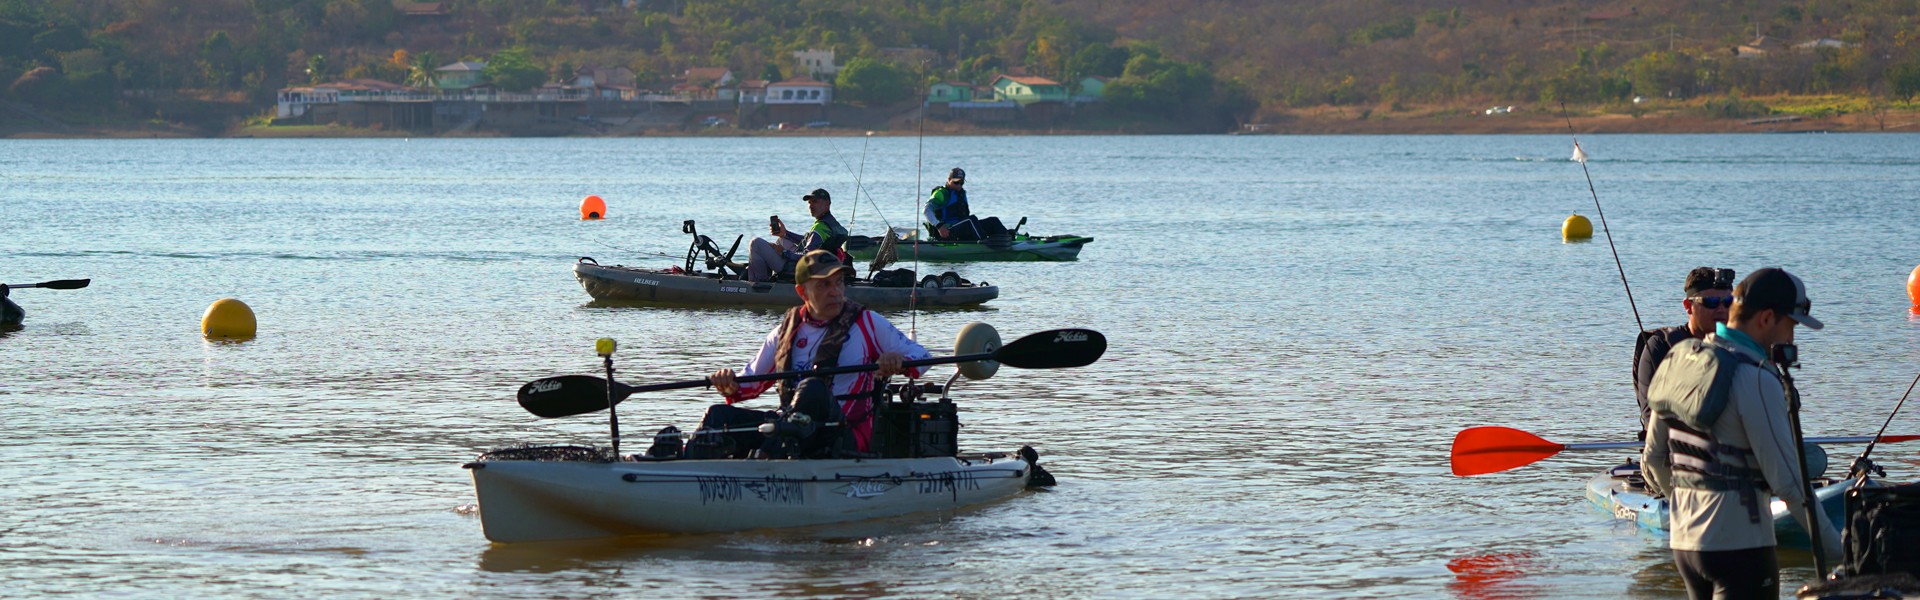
1714	303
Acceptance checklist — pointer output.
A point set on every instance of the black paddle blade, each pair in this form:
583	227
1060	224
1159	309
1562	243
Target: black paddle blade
568	395
61	284
1054	349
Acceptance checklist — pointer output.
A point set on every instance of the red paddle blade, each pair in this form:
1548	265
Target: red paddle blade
1482	450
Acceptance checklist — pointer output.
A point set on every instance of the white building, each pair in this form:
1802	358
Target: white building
817	63
800	91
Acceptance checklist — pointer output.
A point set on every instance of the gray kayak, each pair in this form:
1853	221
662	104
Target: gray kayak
675	287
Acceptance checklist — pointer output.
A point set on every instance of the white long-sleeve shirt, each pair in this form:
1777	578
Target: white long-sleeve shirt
872	336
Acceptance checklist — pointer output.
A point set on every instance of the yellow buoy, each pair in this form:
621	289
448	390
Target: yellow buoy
593	209
1576	228
228	319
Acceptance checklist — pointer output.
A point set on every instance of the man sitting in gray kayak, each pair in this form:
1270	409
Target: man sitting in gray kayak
1709	297
765	259
1722	441
827	330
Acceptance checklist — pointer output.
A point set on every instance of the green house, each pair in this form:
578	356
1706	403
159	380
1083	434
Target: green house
1092	86
1028	90
950	91
461	75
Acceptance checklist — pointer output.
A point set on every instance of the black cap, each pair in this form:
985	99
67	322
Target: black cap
957	173
1701	279
1775	289
820	193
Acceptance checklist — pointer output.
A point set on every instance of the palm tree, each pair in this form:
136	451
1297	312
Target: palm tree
420	73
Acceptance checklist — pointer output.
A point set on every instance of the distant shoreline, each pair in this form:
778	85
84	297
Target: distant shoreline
1315	121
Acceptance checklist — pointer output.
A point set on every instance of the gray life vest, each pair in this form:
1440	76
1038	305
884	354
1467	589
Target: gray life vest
1688	394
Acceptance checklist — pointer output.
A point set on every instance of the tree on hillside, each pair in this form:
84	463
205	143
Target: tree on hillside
317	68
1159	86
513	70
872	82
1903	80
421	69
1658	74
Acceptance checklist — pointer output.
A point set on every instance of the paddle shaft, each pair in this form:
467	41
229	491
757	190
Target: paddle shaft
694	383
1844	439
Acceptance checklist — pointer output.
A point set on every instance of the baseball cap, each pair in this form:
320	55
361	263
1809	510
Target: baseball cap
822	194
821	263
1774	288
1701	279
957	173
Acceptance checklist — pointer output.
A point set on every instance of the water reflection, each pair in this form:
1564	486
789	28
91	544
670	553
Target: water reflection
1488	576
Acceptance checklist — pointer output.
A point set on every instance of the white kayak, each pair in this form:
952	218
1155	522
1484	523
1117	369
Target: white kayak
1622	496
540	500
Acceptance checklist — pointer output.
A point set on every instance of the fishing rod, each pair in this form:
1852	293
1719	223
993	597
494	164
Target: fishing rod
919	160
858	189
659	254
1784	357
854	214
1580	156
1861	464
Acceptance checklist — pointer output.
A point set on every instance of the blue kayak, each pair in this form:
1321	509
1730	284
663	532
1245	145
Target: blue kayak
1619	493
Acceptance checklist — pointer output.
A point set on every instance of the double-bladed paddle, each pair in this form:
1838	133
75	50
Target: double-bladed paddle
58	284
570	395
1482	450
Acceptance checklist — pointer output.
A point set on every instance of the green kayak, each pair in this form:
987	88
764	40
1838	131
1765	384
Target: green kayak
1021	247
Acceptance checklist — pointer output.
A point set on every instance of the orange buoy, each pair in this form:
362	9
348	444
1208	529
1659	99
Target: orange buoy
593	209
1913	287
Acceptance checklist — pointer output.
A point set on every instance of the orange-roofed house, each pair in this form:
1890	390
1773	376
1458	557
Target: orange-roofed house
1028	90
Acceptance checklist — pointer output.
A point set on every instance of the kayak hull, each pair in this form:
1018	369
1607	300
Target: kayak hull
534	500
1613	496
618	283
1051	248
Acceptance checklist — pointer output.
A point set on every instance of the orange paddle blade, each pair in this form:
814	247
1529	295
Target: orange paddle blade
1482	450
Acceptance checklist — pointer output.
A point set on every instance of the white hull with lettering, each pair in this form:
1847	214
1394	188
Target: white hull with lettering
529	500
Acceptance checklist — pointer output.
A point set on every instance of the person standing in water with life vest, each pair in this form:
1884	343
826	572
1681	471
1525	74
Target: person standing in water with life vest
765	259
1722	440
1709	298
827	330
949	217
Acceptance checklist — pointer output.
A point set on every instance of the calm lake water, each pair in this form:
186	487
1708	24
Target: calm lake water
1299	325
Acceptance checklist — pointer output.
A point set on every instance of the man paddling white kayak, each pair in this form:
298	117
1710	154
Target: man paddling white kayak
1722	437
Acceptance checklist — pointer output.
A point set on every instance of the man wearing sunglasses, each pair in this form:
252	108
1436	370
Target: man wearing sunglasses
1722	441
1709	299
949	218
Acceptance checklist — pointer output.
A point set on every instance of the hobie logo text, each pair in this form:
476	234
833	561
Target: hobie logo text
1070	336
545	386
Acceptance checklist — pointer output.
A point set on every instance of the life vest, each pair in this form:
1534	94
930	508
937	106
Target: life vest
1689	410
825	355
948	205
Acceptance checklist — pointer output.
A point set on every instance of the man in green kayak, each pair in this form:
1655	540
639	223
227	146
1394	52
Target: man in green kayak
1709	297
765	259
1722	441
951	219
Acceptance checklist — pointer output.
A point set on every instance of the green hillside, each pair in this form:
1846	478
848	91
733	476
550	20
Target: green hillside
1203	62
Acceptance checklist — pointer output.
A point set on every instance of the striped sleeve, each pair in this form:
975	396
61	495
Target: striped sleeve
890	339
762	363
